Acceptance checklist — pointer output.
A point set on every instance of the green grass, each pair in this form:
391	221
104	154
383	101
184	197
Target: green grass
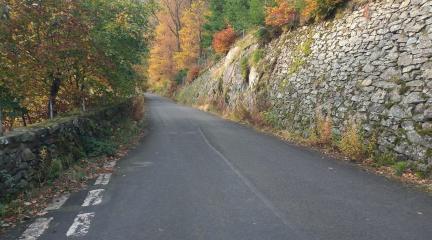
400	167
257	55
244	64
385	159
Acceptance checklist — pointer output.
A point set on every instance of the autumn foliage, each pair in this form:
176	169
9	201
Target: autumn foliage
193	73
282	14
291	12
192	19
223	40
59	56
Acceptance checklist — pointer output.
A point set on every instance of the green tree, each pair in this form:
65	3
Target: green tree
215	21
257	12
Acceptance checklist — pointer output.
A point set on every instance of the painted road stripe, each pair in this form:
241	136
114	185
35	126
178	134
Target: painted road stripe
103	179
94	197
36	229
58	202
81	225
110	165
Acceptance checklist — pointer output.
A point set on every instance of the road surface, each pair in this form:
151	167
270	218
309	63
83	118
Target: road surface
197	176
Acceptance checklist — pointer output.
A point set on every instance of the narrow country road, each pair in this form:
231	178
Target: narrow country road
196	176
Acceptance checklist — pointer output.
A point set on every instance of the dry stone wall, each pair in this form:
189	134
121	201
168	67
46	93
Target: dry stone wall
372	66
26	154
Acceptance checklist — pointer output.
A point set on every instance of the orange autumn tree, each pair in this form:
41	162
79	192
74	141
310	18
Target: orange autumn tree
223	40
161	67
289	12
282	14
193	20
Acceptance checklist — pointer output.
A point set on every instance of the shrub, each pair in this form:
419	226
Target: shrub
3	210
265	34
372	145
180	76
95	147
351	142
257	55
240	112
55	169
138	108
385	159
400	167
324	128
271	119
244	65
325	8
193	73
223	40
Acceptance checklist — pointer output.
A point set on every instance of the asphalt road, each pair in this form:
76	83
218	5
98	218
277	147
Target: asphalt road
197	176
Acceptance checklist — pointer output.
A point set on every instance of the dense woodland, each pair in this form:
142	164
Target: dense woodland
65	56
61	56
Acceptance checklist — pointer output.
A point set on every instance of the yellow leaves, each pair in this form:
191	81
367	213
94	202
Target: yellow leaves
165	59
122	19
190	35
161	63
351	142
308	12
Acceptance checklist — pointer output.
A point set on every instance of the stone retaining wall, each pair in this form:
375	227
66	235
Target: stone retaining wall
26	152
372	66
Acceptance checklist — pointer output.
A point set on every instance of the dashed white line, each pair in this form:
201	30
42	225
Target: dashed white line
94	197
36	229
58	202
103	179
81	225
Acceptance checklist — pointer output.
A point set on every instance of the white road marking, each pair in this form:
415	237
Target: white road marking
58	202
81	225
103	179
110	165
36	229
94	197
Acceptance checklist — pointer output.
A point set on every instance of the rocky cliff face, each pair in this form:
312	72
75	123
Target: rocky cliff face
372	66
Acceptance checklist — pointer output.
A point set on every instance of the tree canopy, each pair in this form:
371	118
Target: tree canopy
60	55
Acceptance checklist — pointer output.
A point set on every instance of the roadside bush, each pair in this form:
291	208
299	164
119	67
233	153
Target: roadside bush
385	159
138	108
240	112
193	73
271	119
265	34
55	169
400	167
324	128
351	143
95	147
223	40
180	76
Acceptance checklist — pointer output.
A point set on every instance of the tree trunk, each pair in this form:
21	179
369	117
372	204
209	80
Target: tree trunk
24	120
55	87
